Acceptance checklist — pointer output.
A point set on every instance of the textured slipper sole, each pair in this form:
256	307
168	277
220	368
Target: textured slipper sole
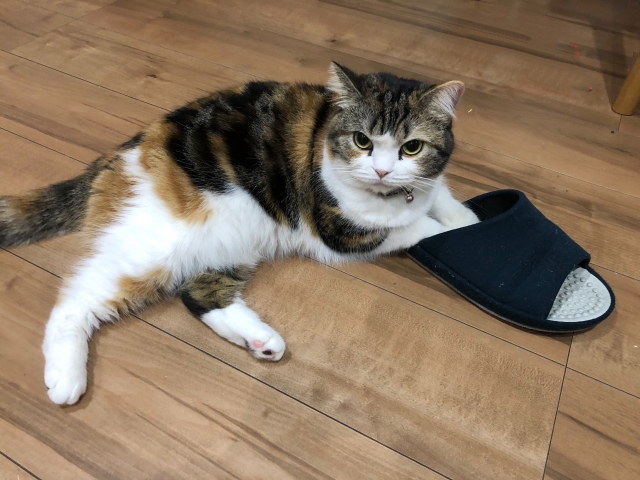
582	297
572	288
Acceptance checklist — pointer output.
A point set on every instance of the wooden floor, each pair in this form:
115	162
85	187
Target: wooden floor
388	374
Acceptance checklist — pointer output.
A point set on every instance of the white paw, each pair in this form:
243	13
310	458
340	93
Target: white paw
65	371
461	217
242	326
66	379
266	344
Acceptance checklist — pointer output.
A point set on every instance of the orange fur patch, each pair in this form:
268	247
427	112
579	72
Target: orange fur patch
136	292
110	190
172	185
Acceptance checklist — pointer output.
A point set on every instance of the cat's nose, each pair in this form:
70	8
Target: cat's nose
381	173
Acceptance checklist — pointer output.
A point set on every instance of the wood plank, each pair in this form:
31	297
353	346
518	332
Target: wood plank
566	139
540	29
11	471
137	69
144	416
72	8
21	23
64	113
611	351
49	459
630	124
403	277
596	433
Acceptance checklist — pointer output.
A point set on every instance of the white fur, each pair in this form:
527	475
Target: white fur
146	237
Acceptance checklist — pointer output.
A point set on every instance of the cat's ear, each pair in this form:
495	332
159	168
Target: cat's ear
445	97
342	83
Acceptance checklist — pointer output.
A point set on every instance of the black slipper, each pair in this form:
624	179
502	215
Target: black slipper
519	266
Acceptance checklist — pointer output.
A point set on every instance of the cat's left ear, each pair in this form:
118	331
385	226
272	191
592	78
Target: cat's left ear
445	97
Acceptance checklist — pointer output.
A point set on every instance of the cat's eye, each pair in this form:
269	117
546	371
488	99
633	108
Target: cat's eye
361	141
412	147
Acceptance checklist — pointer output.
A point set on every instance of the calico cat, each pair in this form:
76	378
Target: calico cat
192	204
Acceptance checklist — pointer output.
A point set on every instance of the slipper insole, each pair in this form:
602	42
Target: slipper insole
582	297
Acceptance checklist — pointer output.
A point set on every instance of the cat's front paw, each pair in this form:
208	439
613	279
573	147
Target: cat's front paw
460	217
267	345
65	371
66	380
242	326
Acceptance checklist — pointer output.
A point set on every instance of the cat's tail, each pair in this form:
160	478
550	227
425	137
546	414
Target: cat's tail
52	211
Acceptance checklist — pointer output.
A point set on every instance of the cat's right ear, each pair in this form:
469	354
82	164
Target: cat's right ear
341	83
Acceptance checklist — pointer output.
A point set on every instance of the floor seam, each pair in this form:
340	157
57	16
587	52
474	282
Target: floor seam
604	383
44	146
555	418
19	466
26	59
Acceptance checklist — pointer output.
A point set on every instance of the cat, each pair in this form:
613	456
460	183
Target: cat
190	206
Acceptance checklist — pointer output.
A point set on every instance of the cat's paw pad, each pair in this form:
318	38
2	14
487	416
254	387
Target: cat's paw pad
462	217
266	345
66	383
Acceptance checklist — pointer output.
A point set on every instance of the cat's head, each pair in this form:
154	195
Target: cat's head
389	132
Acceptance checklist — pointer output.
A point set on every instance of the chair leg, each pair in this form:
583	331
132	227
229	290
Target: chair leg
629	96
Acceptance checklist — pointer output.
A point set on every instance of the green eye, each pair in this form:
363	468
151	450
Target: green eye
412	147
361	141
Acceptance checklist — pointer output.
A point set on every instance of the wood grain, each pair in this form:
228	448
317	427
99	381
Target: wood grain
137	69
402	276
402	41
121	429
64	113
395	371
596	434
427	375
606	223
11	471
72	8
630	124
549	30
611	351
20	23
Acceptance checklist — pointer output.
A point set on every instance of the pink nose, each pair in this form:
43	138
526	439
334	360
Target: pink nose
381	173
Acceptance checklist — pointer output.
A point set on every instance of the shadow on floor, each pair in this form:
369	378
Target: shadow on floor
611	22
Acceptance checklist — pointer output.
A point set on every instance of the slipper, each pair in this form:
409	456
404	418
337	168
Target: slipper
519	266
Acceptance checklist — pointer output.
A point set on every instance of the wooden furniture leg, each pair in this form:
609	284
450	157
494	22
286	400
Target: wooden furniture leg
629	96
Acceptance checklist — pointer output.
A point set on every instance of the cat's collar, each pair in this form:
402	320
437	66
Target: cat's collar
408	193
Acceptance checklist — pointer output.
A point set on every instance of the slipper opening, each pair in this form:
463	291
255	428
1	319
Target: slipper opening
489	206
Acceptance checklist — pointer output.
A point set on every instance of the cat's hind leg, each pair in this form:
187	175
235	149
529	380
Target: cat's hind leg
99	291
214	297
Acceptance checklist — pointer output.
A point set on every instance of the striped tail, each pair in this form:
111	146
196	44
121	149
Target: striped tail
53	211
